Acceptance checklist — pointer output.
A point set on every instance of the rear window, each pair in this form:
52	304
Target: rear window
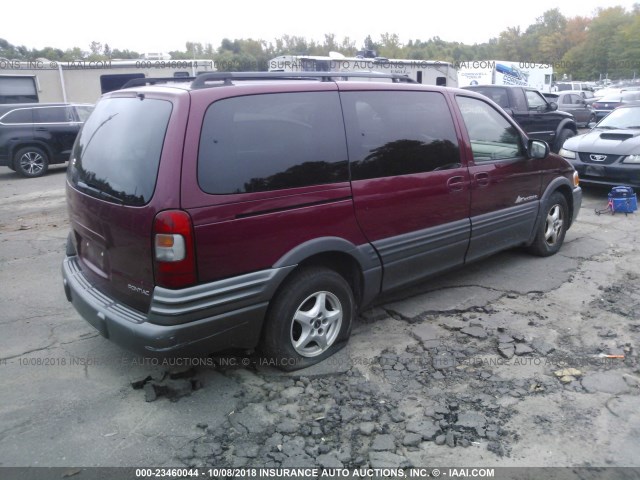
22	115
117	152
615	97
268	142
497	94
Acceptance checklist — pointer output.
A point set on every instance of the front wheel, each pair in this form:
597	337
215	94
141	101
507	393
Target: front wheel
309	319
553	227
31	162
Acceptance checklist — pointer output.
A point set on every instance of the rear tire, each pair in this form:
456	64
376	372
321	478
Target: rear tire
309	319
31	162
552	228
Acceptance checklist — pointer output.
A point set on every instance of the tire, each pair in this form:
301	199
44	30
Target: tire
564	135
31	162
592	119
309	319
552	228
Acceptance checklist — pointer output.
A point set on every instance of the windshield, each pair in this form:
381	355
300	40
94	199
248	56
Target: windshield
622	118
117	152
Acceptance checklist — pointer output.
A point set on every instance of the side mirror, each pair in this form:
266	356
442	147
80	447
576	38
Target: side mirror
553	106
538	149
509	111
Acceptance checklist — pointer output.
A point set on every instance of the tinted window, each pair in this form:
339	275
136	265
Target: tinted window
268	142
52	115
535	100
519	100
398	133
117	152
24	115
498	95
492	136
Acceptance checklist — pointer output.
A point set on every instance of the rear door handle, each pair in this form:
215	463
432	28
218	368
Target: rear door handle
482	179
455	184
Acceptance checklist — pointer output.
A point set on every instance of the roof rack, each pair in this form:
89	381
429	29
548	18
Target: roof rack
141	82
227	77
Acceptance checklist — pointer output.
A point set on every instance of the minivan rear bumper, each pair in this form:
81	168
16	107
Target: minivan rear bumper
190	329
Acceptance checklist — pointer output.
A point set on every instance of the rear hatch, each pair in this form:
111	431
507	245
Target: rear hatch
124	169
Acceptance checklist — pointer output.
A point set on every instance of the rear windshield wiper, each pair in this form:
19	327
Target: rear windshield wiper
99	193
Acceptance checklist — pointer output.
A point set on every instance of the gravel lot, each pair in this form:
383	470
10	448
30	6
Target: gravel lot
512	361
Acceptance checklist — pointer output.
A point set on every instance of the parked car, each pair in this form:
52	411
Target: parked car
36	135
604	92
605	105
610	153
535	115
574	103
234	213
565	86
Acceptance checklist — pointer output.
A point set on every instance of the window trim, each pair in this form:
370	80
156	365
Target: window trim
74	122
455	136
521	142
276	192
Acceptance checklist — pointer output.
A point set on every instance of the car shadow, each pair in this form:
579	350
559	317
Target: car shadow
7	174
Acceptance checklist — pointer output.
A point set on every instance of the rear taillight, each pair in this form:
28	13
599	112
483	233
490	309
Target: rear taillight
174	249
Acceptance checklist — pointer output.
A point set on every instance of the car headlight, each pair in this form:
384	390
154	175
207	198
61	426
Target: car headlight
567	153
631	159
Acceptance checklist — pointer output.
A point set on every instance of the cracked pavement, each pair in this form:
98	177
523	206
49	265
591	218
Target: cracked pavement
511	361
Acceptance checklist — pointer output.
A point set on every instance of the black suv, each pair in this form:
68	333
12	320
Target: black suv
539	118
34	136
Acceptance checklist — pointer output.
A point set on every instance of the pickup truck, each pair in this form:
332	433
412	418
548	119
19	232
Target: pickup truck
537	116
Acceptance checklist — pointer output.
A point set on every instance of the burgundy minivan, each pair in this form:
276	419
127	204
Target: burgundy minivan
263	210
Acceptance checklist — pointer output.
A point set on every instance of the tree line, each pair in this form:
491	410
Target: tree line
583	48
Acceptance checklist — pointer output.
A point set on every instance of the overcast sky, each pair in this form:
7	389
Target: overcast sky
164	26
